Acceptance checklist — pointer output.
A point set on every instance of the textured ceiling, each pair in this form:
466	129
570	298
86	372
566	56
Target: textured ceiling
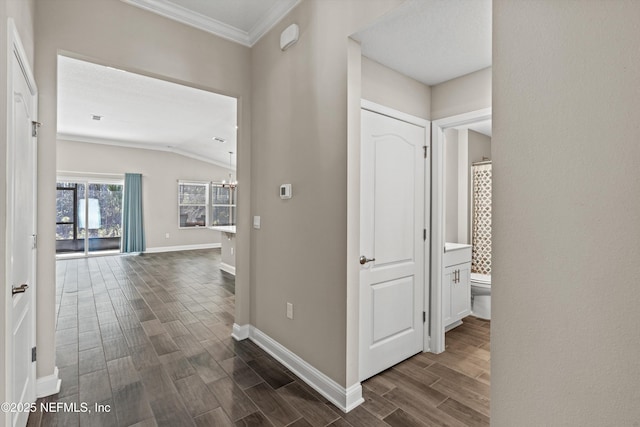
143	112
431	41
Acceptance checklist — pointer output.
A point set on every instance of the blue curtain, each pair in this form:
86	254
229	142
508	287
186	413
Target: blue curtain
132	227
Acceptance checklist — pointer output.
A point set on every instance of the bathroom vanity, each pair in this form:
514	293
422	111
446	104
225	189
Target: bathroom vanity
456	284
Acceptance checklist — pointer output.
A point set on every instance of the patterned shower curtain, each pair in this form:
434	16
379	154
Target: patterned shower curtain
481	231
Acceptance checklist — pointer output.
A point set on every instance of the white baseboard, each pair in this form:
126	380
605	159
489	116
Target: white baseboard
345	399
182	248
453	325
46	386
240	332
228	268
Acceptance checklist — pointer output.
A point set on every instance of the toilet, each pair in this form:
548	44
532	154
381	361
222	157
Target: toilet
481	295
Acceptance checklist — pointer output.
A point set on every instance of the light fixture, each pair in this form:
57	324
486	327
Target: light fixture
231	183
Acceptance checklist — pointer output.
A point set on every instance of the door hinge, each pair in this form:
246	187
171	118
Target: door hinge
424	317
424	234
35	241
34	128
33	354
425	151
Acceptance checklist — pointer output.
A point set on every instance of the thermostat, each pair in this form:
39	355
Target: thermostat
285	191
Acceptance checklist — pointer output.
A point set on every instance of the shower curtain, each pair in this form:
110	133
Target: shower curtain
481	230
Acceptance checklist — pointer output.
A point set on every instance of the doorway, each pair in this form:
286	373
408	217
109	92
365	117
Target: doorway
112	122
438	220
88	216
394	198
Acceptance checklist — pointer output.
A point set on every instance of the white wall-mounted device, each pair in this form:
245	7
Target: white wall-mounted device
289	36
285	191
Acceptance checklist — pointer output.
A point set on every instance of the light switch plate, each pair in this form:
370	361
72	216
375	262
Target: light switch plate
256	222
289	310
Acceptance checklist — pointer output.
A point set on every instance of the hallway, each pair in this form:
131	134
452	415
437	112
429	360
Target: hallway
149	338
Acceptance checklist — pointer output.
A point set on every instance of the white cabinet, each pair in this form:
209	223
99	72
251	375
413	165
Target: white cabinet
456	284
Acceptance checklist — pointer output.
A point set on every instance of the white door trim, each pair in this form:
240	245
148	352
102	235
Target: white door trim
390	112
436	344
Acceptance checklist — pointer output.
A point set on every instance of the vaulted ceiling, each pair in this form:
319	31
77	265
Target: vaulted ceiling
108	106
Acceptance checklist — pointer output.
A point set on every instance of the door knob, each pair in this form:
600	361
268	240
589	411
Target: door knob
364	260
19	289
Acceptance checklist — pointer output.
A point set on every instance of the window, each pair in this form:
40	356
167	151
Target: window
204	204
88	215
223	204
66	217
193	204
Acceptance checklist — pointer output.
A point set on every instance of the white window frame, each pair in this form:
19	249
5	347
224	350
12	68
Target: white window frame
206	204
231	206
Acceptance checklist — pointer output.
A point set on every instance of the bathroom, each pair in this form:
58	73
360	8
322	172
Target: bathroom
467	224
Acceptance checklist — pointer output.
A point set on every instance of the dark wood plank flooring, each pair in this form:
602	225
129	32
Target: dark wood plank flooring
149	337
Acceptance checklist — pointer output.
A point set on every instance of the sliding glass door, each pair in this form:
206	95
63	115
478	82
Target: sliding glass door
88	216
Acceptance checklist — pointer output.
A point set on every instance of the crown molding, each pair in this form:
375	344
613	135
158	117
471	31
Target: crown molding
197	20
273	16
193	19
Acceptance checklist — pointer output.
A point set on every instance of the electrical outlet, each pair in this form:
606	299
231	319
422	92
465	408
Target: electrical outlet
166	236
231	251
289	310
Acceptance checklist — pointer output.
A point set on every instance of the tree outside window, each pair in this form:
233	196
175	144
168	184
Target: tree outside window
193	200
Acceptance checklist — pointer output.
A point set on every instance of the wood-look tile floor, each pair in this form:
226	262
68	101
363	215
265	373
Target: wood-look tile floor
149	336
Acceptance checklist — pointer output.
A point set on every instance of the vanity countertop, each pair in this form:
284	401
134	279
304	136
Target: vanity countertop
456	253
455	246
231	229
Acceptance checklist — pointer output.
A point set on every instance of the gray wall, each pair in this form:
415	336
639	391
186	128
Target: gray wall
565	344
22	12
479	147
299	112
470	92
387	87
160	172
111	32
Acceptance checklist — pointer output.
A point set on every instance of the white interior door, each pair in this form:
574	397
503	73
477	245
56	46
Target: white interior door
21	217
392	218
